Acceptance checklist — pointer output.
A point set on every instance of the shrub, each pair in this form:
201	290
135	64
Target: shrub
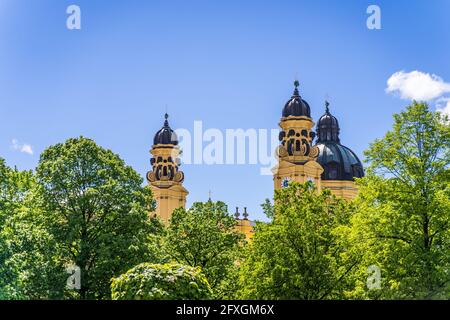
171	281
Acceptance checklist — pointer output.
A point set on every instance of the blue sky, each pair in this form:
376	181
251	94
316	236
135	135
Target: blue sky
230	64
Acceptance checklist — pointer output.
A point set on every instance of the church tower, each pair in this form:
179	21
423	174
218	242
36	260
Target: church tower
296	154
165	178
341	165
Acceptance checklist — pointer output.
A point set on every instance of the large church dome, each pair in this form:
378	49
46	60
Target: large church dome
296	106
338	161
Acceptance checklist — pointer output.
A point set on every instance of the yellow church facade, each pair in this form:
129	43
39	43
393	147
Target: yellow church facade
327	163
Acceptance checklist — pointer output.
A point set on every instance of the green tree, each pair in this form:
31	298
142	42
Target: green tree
299	254
205	236
403	223
38	273
170	281
7	275
96	210
27	270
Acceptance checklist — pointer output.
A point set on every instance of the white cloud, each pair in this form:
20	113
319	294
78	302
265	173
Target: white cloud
416	85
22	147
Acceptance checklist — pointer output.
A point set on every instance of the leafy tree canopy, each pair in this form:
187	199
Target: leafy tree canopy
298	255
205	236
403	222
96	209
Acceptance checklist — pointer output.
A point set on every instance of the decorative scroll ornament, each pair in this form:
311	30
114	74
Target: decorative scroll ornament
151	176
281	152
179	176
314	152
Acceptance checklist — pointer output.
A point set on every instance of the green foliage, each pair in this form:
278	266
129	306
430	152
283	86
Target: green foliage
298	255
27	270
39	274
403	221
7	276
85	206
96	210
268	208
205	236
170	281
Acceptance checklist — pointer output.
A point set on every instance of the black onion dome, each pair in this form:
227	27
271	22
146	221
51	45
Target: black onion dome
166	135
296	106
328	127
338	161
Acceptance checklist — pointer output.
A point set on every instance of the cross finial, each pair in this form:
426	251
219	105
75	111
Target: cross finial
296	84
327	103
327	110
166	122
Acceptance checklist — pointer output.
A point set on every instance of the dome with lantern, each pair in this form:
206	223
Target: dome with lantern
338	161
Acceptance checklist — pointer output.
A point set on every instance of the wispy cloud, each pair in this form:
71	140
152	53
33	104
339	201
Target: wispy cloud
417	85
21	147
443	105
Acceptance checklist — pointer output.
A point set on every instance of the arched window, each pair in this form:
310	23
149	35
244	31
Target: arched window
297	145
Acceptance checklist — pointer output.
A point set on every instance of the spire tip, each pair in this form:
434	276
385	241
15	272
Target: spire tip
327	109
